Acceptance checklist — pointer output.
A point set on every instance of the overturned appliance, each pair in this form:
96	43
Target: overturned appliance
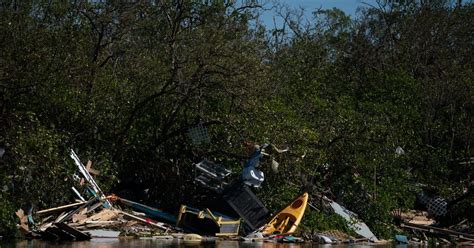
211	175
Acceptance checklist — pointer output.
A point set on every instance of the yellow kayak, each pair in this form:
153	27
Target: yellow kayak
287	220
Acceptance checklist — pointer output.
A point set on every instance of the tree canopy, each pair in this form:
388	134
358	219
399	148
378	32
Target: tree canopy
373	108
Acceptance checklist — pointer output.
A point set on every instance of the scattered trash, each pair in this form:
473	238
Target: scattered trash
399	151
255	236
414	217
286	239
335	236
275	165
96	215
192	238
401	239
324	239
431	230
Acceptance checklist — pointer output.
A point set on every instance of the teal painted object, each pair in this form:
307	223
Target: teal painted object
150	211
401	239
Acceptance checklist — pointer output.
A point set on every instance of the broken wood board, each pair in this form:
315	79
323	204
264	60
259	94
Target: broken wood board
45	226
414	217
54	232
60	208
432	229
92	207
78	235
98	225
24	228
147	221
69	214
104	215
90	170
78	217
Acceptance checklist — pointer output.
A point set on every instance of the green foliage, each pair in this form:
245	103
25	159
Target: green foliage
37	152
121	83
7	220
315	221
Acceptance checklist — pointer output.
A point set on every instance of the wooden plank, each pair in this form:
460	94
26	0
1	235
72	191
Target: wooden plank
60	208
71	213
88	165
104	215
92	171
54	231
23	221
78	217
78	235
146	221
47	234
431	229
93	207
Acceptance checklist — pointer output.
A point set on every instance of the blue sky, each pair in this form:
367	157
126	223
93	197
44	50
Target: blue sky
348	6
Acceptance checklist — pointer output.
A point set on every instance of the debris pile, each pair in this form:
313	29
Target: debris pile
423	228
111	216
95	217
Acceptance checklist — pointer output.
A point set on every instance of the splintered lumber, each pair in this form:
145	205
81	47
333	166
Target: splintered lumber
92	207
104	215
431	229
23	221
73	212
78	217
466	243
54	233
78	235
60	208
147	221
90	170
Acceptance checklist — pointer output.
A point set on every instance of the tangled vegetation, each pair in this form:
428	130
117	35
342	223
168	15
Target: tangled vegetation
122	83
